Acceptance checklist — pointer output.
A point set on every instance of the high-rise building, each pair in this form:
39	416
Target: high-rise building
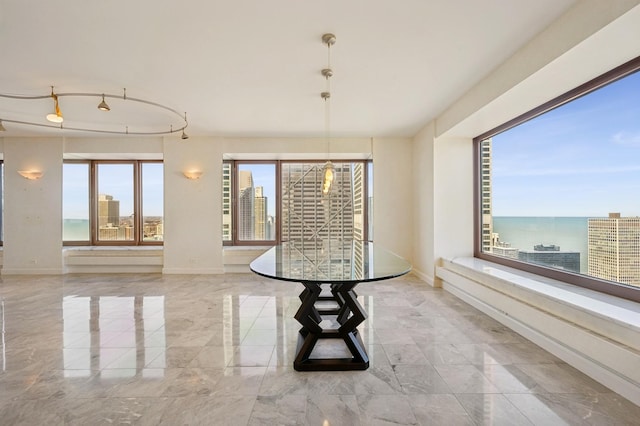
359	200
246	210
485	194
260	206
308	215
108	211
551	256
226	202
502	248
614	249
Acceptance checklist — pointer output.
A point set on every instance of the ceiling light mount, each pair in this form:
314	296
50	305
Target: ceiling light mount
329	39
116	129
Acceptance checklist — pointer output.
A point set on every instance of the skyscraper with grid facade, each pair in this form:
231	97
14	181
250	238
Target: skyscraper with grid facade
307	215
485	194
614	249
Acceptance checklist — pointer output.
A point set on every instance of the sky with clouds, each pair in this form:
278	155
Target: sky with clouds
581	159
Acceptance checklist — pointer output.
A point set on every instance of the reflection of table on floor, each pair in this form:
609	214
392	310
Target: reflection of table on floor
340	266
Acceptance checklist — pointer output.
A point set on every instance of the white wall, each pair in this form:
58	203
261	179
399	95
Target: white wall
393	196
423	203
453	197
32	208
192	208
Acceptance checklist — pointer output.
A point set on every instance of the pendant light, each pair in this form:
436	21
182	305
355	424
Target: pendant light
328	172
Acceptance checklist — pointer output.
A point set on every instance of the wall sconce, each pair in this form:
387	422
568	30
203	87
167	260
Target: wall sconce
192	174
30	174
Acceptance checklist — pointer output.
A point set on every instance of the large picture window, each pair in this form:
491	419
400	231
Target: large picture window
113	202
557	188
269	202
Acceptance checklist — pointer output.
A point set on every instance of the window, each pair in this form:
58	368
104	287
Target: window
282	201
75	202
557	187
1	202
113	202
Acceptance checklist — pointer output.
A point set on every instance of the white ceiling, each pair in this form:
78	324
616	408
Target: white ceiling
252	68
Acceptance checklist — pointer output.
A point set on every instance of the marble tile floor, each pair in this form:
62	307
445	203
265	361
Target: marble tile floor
218	350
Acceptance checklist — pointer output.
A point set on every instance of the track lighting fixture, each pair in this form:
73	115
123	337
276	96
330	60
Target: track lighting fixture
103	106
184	135
57	118
56	115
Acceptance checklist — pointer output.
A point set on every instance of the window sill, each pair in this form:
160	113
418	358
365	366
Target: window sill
596	333
622	312
238	258
107	259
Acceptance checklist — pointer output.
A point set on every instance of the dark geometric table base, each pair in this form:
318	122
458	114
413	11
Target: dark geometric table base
349	314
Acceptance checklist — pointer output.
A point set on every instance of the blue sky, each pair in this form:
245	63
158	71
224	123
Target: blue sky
581	159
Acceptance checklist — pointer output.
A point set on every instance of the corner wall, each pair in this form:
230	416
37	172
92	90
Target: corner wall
392	196
423	218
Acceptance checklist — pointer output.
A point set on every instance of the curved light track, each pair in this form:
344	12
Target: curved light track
101	96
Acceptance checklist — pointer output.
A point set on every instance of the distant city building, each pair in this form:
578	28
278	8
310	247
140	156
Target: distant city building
485	190
551	256
614	248
260	214
307	215
271	228
501	248
226	202
153	230
108	211
359	200
246	210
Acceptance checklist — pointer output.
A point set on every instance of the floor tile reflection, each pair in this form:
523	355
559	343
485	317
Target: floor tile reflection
153	349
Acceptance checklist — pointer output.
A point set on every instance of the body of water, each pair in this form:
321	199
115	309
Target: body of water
570	233
75	230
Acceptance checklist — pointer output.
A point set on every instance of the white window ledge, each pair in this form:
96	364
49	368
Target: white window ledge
623	312
238	258
597	333
108	259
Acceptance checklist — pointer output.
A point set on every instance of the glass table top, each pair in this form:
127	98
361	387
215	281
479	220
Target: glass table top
329	261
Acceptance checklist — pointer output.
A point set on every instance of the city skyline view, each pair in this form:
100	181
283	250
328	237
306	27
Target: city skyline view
578	160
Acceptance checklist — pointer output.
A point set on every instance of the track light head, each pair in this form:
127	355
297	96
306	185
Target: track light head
103	106
56	116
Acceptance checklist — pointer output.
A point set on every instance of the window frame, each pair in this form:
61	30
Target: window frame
234	241
600	285
93	205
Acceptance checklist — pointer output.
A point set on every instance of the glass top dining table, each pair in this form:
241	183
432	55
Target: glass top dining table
330	270
330	262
